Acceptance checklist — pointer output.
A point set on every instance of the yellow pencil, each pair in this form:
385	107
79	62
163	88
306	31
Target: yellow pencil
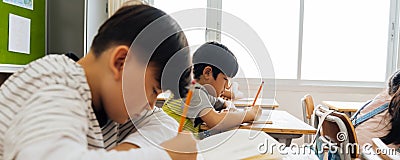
185	109
258	92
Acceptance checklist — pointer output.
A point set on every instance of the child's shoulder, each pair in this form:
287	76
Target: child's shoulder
49	71
206	89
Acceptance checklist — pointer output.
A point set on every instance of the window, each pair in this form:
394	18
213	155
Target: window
345	40
277	23
194	36
310	40
247	67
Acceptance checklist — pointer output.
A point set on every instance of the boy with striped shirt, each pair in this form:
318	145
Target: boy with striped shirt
54	108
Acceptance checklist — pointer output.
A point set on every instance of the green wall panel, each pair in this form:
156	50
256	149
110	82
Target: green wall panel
37	37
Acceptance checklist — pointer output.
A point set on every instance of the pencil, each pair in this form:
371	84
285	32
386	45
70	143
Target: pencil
185	110
258	92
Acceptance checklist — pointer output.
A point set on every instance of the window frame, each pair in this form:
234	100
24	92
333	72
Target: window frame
213	33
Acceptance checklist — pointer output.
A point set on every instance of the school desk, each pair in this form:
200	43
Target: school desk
242	102
262	102
284	126
340	106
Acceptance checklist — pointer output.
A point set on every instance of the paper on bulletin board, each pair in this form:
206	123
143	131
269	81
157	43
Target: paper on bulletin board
19	34
21	3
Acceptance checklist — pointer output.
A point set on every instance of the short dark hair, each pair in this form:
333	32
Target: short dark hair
393	110
394	83
218	57
124	26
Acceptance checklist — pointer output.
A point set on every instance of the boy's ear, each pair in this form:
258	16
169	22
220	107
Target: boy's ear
207	72
117	60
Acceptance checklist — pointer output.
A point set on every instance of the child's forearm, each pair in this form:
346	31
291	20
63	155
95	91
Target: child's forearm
232	119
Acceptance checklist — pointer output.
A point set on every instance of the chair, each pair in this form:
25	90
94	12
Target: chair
307	104
338	132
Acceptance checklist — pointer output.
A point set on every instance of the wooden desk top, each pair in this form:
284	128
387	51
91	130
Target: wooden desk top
263	102
343	106
282	122
243	102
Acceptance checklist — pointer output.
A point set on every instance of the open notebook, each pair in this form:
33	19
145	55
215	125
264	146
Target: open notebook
238	144
265	118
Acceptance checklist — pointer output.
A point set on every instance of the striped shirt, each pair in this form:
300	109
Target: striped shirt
50	100
152	129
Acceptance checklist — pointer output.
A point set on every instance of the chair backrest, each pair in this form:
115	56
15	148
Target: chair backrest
308	106
337	130
384	151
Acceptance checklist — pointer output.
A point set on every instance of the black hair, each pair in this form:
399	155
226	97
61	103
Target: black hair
72	56
124	26
394	83
394	111
218	57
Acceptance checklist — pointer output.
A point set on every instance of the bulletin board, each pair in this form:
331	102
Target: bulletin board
37	16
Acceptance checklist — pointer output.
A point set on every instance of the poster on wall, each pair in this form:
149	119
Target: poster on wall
19	34
21	3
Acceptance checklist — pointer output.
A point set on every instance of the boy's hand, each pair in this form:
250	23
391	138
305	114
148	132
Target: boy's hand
258	111
255	112
183	146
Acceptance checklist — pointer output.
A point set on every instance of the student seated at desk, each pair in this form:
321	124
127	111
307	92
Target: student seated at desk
54	108
214	64
154	127
372	120
392	138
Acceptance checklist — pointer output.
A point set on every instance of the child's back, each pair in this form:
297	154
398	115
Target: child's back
33	90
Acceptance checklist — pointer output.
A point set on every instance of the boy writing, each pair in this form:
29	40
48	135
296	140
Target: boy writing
213	64
54	108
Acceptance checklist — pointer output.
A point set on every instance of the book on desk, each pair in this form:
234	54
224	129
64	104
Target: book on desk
238	144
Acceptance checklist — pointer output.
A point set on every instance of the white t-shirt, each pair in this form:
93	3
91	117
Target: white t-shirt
46	113
201	100
152	129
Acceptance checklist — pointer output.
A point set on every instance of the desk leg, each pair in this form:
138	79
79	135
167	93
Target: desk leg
286	141
285	138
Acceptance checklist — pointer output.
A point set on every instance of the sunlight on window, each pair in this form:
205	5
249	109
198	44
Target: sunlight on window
277	23
195	37
345	40
247	65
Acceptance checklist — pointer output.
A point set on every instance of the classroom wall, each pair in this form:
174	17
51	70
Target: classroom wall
65	26
73	24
